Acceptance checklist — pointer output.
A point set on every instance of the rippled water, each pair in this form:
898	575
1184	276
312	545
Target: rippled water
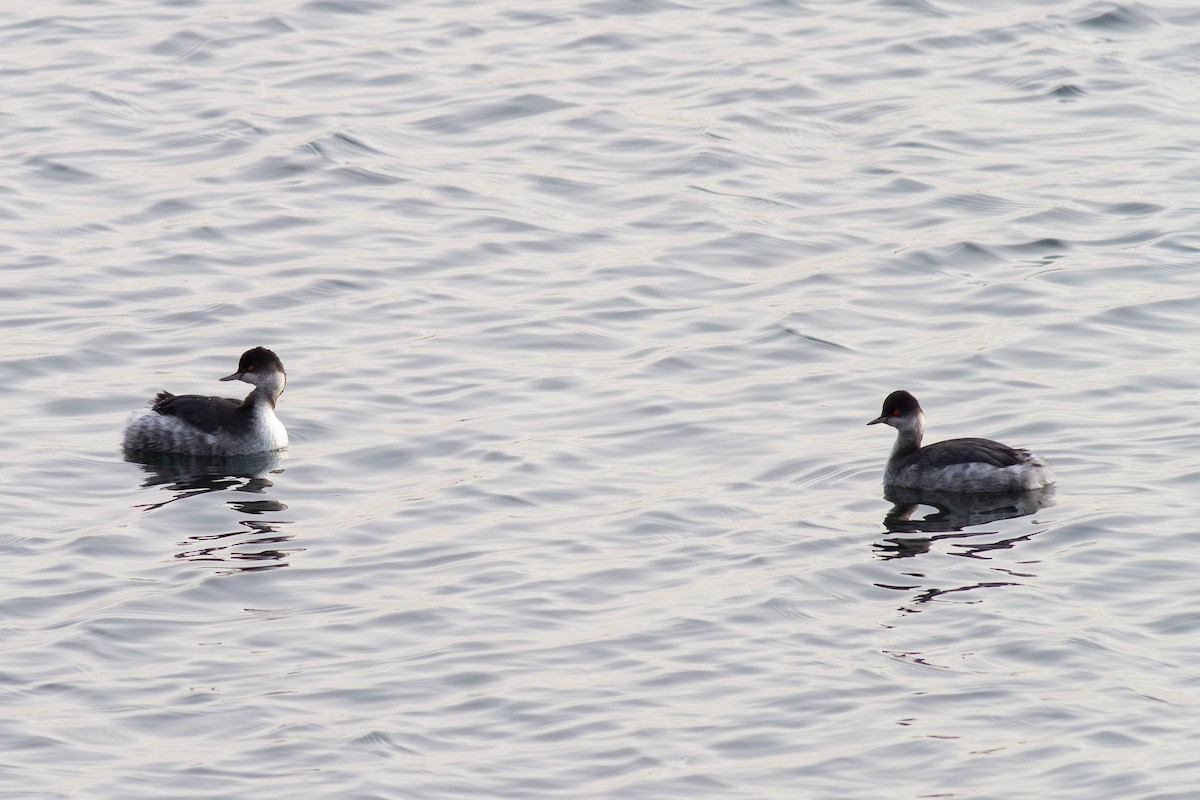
584	308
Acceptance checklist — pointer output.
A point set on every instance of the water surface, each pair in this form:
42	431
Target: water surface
584	309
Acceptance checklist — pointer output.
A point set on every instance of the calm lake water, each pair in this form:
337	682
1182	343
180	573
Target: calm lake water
584	308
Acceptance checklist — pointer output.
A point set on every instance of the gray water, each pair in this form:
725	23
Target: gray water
584	307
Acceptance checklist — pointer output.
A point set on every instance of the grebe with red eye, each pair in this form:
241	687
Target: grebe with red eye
959	465
217	426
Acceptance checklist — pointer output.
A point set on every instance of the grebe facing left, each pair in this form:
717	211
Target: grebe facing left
217	426
955	465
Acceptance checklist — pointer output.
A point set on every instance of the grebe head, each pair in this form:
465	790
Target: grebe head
260	367
902	411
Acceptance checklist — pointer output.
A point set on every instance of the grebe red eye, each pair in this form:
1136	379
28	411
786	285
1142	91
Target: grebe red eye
895	412
251	369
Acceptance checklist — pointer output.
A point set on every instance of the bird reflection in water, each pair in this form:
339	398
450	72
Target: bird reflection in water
953	513
958	510
251	547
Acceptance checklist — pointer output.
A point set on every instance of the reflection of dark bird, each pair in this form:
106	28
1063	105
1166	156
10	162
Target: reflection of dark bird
970	546
257	543
958	510
237	551
186	475
954	512
964	465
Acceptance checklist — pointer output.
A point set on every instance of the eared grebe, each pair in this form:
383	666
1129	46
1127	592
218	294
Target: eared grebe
958	465
217	426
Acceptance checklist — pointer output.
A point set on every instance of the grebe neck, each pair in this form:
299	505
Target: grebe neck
266	390
909	434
